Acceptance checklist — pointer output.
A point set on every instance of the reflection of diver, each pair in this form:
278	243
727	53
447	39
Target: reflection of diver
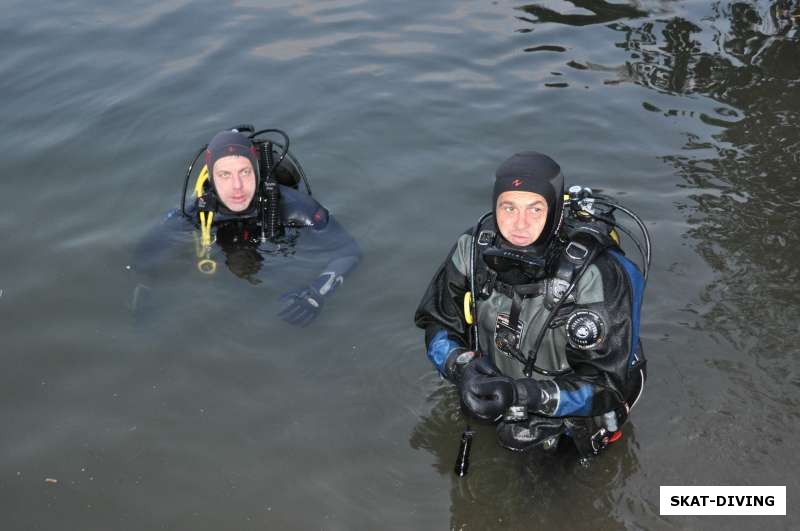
241	251
535	313
247	200
526	491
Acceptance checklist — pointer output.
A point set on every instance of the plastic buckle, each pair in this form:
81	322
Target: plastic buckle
573	249
485	237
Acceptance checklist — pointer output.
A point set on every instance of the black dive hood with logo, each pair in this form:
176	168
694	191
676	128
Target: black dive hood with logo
226	144
272	162
528	171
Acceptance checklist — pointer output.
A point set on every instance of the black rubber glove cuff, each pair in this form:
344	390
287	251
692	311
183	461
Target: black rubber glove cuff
538	396
457	361
528	393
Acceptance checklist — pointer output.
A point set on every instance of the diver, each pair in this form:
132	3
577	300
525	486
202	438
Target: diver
534	315
247	203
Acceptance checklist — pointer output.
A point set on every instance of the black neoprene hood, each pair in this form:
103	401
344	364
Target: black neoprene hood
225	144
530	171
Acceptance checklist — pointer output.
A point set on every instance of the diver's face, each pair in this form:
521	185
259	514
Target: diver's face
521	217
235	181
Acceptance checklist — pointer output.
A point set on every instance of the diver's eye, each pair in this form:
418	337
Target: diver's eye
246	172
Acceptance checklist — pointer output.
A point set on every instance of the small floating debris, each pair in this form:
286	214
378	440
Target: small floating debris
50	481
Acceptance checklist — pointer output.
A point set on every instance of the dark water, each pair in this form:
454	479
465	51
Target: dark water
685	110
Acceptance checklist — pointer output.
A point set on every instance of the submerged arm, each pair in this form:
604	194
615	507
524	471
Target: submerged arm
326	234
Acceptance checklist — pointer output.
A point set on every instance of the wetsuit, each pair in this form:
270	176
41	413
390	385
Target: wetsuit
311	235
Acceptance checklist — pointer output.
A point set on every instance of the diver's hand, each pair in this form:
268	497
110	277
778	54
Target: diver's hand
532	393
485	392
301	306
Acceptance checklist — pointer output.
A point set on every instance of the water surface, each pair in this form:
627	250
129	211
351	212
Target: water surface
685	110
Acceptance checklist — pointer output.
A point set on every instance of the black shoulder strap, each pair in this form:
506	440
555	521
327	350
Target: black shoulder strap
485	278
571	260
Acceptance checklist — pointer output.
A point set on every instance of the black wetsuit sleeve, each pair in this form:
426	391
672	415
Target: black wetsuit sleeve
441	311
324	233
598	382
345	252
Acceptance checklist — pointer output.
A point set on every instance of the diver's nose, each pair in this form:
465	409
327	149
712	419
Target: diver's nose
521	221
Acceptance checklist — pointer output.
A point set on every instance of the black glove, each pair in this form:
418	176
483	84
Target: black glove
485	392
301	306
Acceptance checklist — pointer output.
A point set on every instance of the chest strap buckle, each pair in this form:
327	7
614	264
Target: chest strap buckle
576	252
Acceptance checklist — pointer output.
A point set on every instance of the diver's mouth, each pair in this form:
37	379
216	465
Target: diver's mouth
520	239
237	203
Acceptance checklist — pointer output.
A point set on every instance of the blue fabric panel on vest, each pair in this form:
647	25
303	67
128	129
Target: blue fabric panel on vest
438	349
577	402
637	285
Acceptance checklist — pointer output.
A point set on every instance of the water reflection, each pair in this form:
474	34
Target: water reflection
743	184
580	12
677	56
743	176
504	490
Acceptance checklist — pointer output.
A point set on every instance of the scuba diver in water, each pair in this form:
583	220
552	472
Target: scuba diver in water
247	200
534	315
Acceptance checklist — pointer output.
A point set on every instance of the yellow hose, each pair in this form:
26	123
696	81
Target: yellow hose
201	179
468	308
205	227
